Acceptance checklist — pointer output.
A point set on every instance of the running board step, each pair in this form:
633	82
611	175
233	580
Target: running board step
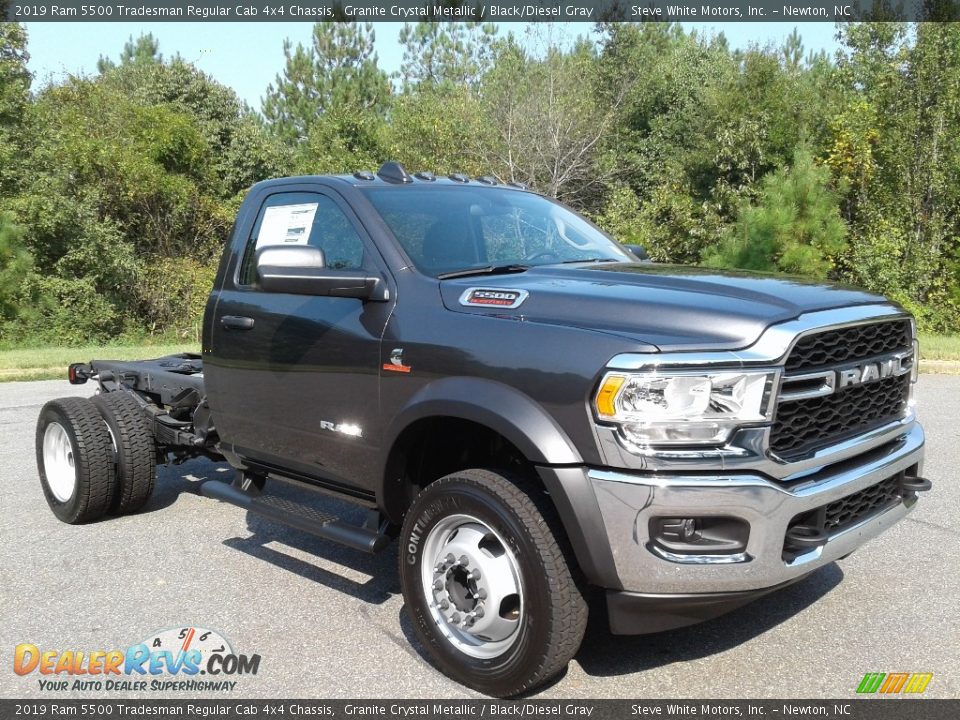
301	517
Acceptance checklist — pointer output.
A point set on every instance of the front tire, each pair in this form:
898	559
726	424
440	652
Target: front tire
75	460
487	585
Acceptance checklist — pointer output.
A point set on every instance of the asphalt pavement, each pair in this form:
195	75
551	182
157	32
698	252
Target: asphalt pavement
330	622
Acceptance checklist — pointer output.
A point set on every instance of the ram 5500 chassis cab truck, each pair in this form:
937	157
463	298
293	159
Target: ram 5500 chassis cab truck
535	414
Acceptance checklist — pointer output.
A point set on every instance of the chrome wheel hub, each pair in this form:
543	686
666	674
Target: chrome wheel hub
471	580
58	462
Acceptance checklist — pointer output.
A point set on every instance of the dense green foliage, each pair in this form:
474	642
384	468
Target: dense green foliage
118	190
793	227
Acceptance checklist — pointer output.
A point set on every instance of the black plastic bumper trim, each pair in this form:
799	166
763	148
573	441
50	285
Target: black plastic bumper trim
633	613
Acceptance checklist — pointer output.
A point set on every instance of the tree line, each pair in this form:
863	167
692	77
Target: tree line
118	189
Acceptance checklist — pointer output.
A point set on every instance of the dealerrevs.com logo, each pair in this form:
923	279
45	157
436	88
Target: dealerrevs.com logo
188	659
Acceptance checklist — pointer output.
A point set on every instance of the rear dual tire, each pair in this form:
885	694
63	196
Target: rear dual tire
75	459
134	447
95	457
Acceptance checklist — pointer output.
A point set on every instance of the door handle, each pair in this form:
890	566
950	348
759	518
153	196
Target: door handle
236	322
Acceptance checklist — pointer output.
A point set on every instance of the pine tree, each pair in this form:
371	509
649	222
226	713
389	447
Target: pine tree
444	53
145	50
14	95
338	70
15	263
795	227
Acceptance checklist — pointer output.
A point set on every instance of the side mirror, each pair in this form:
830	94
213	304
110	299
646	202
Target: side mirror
302	270
638	251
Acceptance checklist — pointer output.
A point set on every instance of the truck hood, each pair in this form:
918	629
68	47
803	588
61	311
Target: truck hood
671	307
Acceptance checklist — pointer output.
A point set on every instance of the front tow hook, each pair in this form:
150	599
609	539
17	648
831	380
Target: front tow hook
915	484
806	537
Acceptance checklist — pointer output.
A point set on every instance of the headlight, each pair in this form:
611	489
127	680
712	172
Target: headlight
683	408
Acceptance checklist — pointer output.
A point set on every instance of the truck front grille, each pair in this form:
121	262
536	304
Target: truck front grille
846	512
834	347
855	508
803	426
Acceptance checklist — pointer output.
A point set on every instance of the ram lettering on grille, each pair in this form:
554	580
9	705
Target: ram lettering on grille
858	380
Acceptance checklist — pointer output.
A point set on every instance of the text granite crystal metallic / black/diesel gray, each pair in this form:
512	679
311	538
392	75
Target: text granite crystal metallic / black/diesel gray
525	405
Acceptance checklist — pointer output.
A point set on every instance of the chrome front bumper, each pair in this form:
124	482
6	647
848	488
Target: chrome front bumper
627	502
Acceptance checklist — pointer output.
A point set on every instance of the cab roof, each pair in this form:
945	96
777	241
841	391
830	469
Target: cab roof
394	174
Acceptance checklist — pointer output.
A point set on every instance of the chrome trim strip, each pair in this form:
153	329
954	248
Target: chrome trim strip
829	378
701	559
772	346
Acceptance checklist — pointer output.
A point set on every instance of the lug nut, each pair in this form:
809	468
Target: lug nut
455	618
464	560
477	612
438	585
482	594
444	604
450	559
473	574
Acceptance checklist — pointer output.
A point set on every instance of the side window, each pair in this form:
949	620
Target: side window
303	219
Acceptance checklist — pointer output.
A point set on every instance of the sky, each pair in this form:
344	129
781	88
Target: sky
248	56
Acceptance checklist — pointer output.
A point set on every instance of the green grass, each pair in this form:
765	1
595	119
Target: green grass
51	363
939	347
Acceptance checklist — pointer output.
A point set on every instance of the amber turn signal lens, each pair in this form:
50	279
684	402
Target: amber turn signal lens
607	393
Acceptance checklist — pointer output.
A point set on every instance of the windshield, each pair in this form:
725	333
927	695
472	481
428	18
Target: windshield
447	230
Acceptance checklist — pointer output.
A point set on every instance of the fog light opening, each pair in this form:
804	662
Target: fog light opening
700	535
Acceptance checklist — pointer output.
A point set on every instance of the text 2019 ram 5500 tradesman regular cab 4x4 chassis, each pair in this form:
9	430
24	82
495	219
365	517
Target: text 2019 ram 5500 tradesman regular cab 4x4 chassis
529	408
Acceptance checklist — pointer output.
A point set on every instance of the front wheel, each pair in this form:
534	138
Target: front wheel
487	585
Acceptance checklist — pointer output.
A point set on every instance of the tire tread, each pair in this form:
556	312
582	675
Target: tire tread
136	450
541	522
93	457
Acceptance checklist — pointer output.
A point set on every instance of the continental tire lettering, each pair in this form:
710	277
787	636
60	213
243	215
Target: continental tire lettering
233	664
413	545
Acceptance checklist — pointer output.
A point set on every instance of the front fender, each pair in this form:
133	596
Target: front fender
496	406
541	440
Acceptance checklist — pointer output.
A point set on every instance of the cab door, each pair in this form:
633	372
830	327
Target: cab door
293	379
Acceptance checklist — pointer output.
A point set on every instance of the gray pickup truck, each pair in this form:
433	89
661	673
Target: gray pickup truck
536	415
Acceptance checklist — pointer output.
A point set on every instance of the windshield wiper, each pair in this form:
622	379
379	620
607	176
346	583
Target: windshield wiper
487	270
589	260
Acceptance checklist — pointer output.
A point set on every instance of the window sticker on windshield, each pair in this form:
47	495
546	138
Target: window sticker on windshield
286	224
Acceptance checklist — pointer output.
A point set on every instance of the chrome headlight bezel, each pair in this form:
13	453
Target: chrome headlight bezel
709	405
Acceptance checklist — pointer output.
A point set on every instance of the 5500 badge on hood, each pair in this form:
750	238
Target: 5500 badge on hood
495	297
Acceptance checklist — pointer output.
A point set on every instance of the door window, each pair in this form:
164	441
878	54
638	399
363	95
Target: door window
303	219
